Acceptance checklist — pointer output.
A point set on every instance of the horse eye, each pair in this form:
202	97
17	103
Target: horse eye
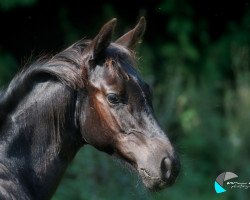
113	98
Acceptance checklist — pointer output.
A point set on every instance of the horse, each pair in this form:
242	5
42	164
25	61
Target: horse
91	93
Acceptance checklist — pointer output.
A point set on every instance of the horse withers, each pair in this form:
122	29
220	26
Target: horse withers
90	93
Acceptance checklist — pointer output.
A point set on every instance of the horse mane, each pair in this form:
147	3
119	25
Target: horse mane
64	67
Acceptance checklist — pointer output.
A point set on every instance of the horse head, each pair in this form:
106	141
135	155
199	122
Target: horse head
117	115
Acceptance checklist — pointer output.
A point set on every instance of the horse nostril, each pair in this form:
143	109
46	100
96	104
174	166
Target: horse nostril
167	163
170	169
166	168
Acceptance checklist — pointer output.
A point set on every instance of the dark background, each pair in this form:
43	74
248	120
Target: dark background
195	55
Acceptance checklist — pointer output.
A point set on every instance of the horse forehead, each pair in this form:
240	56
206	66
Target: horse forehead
127	72
104	78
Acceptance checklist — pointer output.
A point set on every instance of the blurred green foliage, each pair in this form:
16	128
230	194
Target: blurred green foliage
201	96
10	4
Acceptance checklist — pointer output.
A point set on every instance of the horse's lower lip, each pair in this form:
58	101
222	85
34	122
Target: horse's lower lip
152	183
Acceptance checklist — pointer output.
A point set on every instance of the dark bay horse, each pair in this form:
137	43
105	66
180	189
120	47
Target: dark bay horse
90	93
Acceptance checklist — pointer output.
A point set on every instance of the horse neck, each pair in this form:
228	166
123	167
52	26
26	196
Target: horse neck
39	138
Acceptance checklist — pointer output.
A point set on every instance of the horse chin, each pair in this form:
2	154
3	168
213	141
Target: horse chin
152	183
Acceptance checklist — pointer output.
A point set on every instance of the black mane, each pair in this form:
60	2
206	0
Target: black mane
64	67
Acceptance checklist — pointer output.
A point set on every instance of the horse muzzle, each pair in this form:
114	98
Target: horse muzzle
157	177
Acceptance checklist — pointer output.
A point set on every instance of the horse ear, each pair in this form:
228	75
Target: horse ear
102	40
133	37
